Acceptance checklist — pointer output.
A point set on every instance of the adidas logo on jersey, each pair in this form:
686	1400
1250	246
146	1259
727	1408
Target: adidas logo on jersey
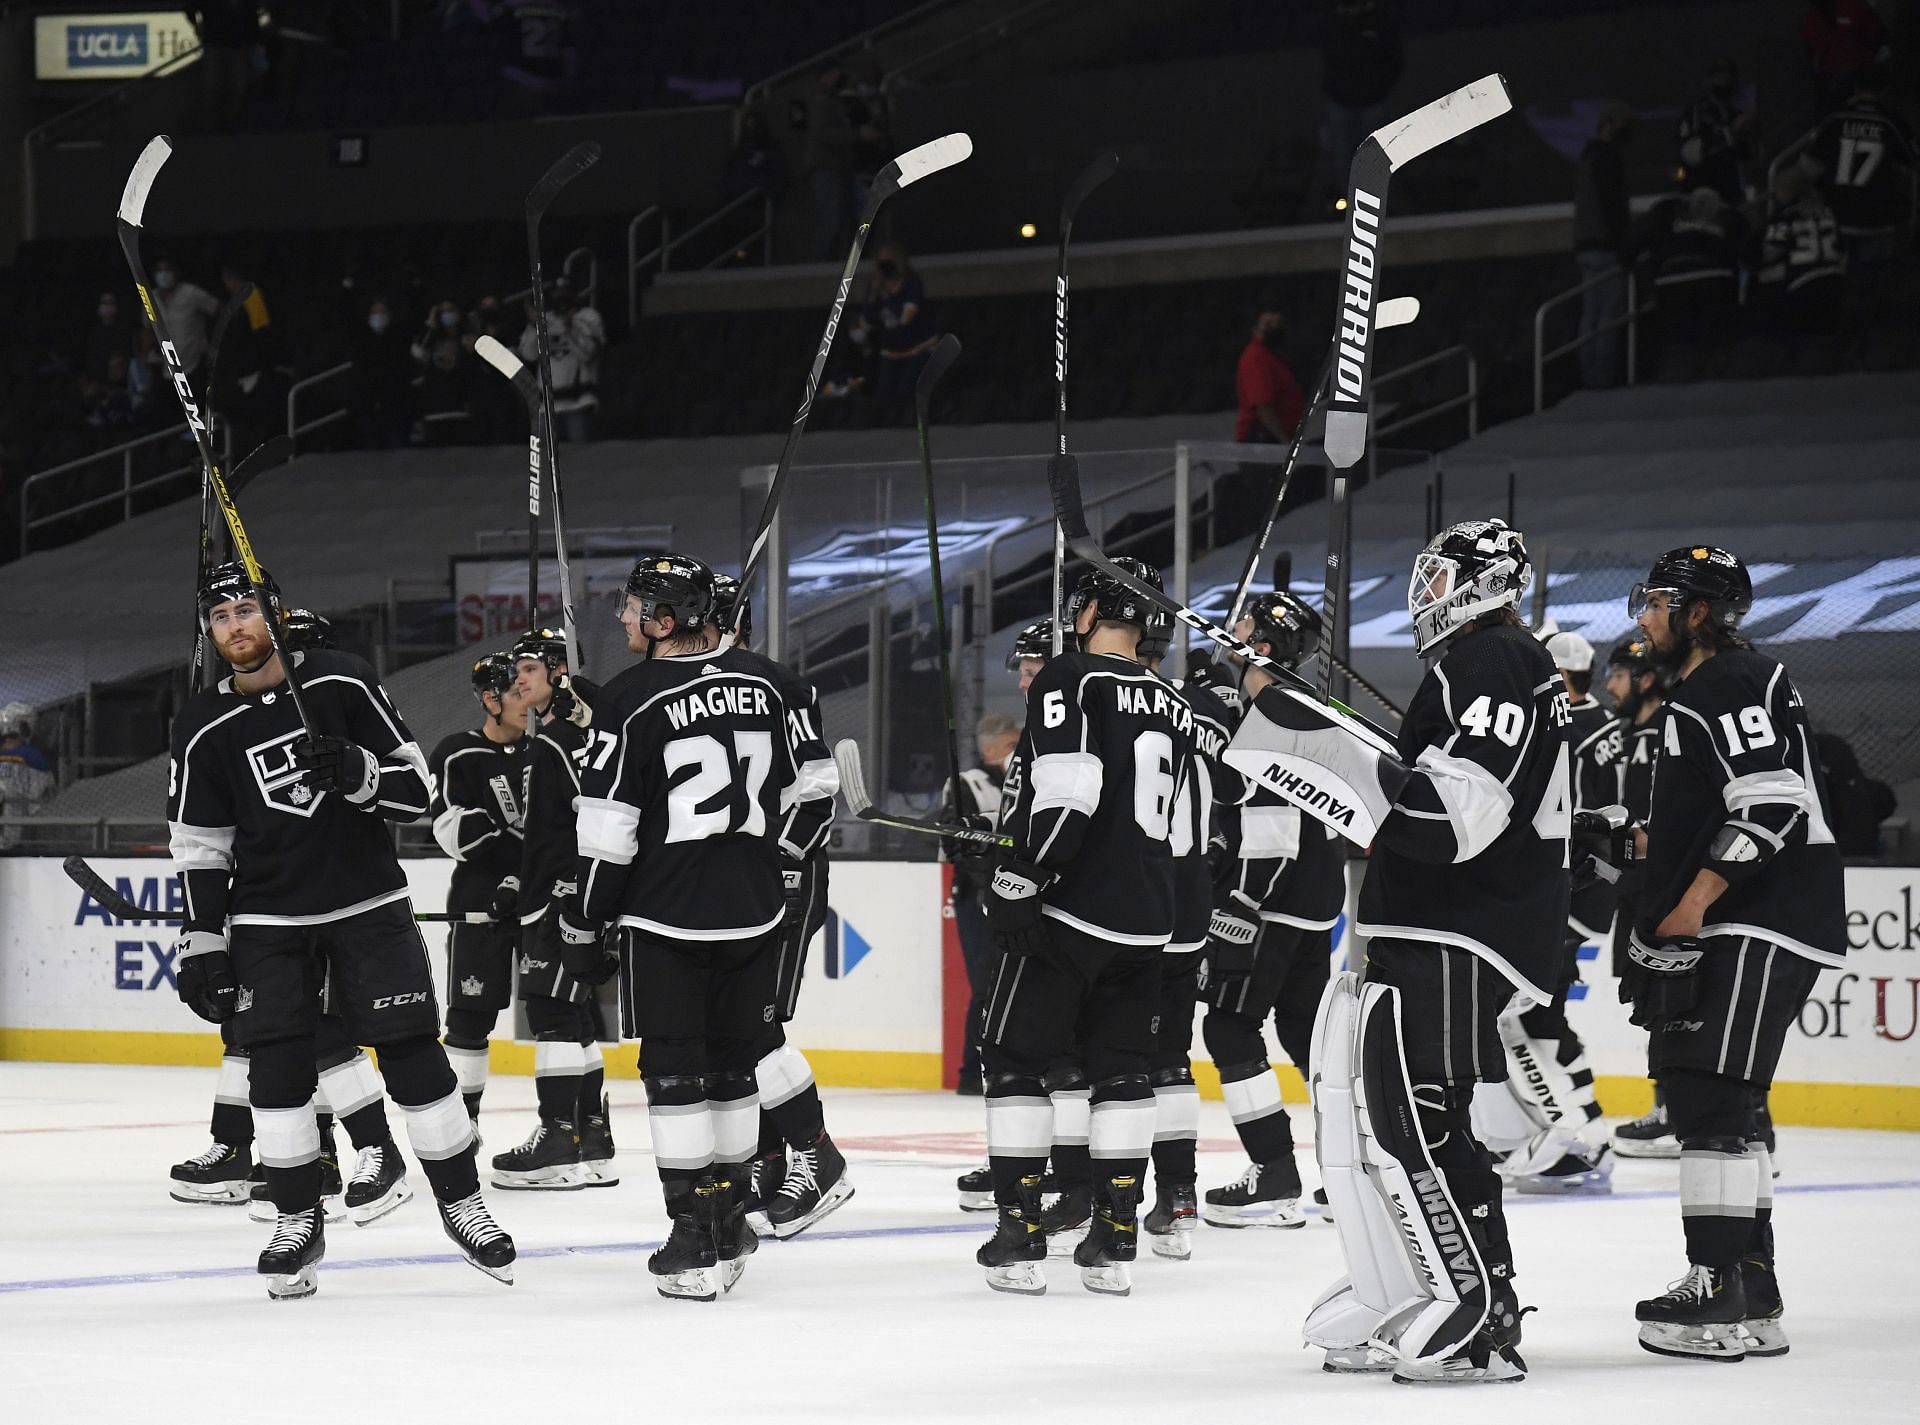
709	668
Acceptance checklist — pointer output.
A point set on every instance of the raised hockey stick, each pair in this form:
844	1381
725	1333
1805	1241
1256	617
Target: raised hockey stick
910	167
569	166
1350	397
853	787
117	905
133	204
197	678
944	355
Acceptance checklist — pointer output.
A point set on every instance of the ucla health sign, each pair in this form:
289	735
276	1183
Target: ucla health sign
115	46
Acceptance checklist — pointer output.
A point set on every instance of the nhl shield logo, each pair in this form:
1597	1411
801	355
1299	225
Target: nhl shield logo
280	782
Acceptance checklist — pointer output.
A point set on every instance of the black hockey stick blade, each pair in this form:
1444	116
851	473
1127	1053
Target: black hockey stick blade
118	906
274	451
1098	171
945	353
853	787
569	166
512	367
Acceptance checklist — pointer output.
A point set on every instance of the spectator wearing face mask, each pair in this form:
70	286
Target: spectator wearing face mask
444	356
898	324
188	312
108	336
382	380
1269	396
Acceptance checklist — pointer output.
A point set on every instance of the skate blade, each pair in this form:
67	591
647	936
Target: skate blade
1629	1148
541	1180
1284	1218
1570	1186
757	1220
1110	1279
368	1212
294	1286
1356	1361
976	1202
1495	1372
227	1195
1018	1279
694	1284
502	1274
1064	1242
1693	1343
1174	1246
599	1173
334	1209
731	1272
1764	1337
836	1196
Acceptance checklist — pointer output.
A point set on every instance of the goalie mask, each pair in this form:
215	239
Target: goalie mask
1470	570
673	585
1118	603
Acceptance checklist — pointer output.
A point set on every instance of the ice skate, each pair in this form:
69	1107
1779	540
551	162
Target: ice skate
1763	1330
378	1184
734	1236
815	1185
1112	1241
548	1161
596	1149
1650	1136
222	1174
479	1238
260	1199
686	1267
1326	1208
765	1175
1065	1219
1492	1357
1171	1220
1266	1195
1016	1253
1698	1317
1581	1172
1357	1360
291	1260
976	1190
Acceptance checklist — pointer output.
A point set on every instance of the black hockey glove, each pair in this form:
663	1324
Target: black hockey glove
333	764
1668	983
1602	845
1231	931
1013	908
793	885
505	906
569	705
203	974
582	949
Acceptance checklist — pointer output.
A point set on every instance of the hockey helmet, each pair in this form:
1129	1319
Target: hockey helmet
1118	603
1696	573
224	583
1286	623
673	585
549	645
305	629
1469	570
493	673
1157	638
1033	641
726	590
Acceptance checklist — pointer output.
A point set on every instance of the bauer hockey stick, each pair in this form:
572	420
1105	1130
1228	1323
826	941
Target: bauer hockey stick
1350	396
910	167
133	205
1091	177
944	355
118	906
540	443
853	787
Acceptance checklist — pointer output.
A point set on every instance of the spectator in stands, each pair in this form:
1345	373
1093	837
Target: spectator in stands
26	771
1856	803
828	158
107	399
576	335
249	387
754	162
1361	62
382	381
872	121
229	32
1844	39
189	312
145	372
110	335
444	354
1270	400
1695	244
1716	137
1866	166
1800	283
897	324
1600	244
539	58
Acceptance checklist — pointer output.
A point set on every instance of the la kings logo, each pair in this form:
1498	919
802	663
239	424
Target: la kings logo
282	785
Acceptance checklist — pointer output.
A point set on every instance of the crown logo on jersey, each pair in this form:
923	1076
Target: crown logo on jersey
300	795
472	986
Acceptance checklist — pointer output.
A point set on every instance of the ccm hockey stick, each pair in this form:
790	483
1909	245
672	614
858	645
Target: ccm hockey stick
853	787
117	905
133	205
197	677
1091	177
910	167
944	355
1350	397
570	165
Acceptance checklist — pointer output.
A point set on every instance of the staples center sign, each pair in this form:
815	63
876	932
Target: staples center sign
122	45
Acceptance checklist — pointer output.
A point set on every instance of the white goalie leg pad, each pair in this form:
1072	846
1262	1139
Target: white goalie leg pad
1501	1119
1535	1077
782	1074
1379	1283
349	1087
231	1084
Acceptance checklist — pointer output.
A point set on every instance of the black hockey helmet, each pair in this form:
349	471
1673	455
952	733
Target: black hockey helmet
1697	573
549	645
1118	603
1634	654
493	673
305	629
1288	625
673	584
224	583
1157	638
1033	641
726	588
1466	572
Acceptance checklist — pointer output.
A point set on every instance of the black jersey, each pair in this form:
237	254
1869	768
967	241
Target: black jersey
808	815
1106	747
1866	164
684	795
549	850
252	840
1639	750
1690	248
1474	852
1280	862
479	805
1734	748
1800	248
1596	739
1194	817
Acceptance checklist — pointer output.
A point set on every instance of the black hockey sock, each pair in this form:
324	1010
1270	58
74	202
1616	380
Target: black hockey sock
593	1087
1173	1161
770	1139
367	1125
324	1122
1072	1164
1253	1100
232	1124
800	1119
294	1189
453	1178
1019	1129
559	1096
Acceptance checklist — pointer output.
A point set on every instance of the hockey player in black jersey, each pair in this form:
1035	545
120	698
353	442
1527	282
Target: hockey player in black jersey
1082	911
477	784
682	802
797	1175
279	833
1743	904
1281	887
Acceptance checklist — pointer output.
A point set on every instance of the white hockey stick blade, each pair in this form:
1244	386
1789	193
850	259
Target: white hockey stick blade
944	152
1447	117
133	198
508	365
853	782
1396	312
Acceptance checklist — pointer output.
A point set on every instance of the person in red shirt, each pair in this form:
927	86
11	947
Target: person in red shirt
1270	399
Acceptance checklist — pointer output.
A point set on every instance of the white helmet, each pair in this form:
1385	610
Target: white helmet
1470	569
14	718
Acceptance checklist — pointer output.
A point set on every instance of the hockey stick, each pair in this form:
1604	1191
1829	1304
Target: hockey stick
133	204
197	678
944	355
853	786
909	167
570	165
1350	397
515	370
117	905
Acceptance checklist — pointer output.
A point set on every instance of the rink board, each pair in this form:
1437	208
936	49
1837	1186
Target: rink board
885	996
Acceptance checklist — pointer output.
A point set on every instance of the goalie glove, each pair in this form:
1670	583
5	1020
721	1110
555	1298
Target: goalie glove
1331	765
204	977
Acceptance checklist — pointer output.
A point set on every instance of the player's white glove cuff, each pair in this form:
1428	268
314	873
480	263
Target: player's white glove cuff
1669	957
199	942
1234	929
369	779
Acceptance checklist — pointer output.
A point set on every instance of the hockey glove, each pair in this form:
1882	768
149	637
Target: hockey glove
1013	908
333	764
505	907
203	974
1601	846
583	951
569	705
1669	978
1231	931
793	885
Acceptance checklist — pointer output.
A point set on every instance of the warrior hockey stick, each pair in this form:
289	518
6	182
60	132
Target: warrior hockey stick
909	167
133	205
1350	397
571	164
1091	177
853	786
944	355
117	905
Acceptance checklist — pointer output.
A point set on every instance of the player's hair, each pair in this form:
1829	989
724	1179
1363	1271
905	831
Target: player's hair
996	725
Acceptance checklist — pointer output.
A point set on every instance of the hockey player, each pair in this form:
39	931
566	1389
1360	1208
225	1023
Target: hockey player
477	811
572	1144
797	1176
1281	888
1082	911
1743	904
681	808
279	834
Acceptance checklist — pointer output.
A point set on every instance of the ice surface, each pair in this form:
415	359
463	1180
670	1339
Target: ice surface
117	1304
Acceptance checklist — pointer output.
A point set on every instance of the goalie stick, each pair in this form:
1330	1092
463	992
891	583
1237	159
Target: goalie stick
133	205
1350	399
910	167
117	905
542	458
944	355
853	787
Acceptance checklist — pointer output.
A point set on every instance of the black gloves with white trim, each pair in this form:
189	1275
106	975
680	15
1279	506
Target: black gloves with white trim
1014	908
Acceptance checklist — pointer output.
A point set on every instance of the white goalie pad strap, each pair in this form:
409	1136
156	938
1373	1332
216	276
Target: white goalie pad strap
349	1087
782	1074
440	1129
230	1085
1323	762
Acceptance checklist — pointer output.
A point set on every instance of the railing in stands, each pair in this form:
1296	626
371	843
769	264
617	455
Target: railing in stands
641	265
588	290
1628	318
982	37
295	426
853	44
129	485
1469	399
